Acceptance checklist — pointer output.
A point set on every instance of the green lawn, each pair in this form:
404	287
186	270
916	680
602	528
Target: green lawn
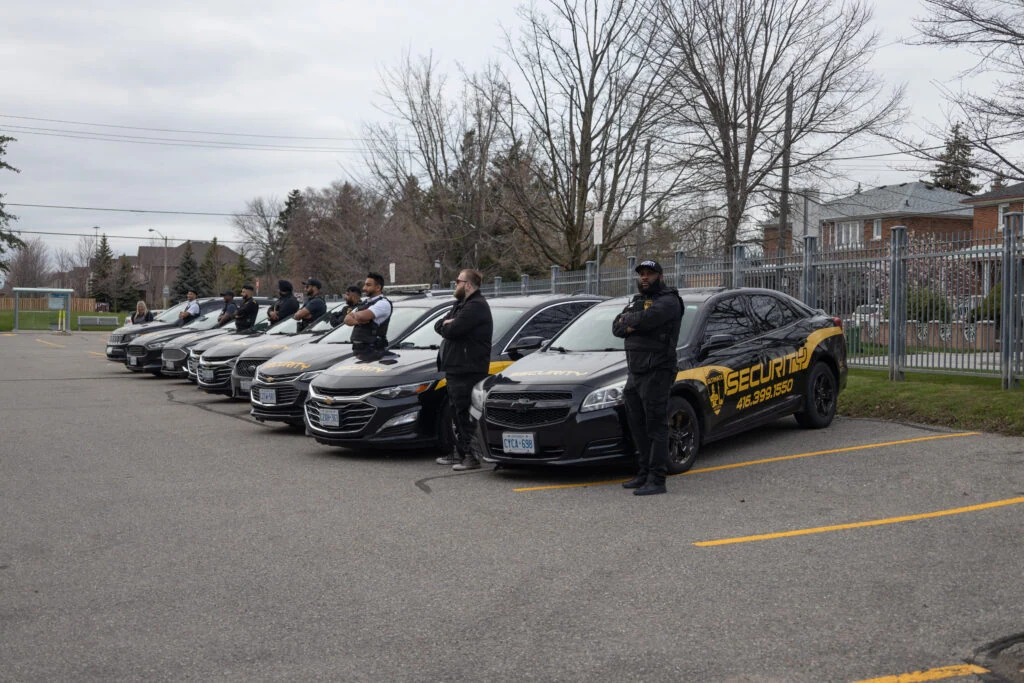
959	402
41	320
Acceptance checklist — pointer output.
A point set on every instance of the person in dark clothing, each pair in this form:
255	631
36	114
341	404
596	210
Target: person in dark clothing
353	297
141	315
313	307
245	316
286	304
650	326
464	358
227	313
370	319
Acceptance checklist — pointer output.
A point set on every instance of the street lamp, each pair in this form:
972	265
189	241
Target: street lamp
437	264
166	291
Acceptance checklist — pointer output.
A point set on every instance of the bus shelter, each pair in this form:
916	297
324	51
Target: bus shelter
56	300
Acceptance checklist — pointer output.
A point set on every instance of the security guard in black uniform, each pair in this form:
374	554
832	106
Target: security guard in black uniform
650	326
370	319
353	295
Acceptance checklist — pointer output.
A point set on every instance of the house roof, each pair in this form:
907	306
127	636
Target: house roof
154	256
1015	191
905	199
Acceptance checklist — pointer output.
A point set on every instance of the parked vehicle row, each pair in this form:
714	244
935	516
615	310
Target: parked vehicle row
554	395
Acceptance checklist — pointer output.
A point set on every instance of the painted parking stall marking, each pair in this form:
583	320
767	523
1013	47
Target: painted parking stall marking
942	673
858	525
59	346
760	461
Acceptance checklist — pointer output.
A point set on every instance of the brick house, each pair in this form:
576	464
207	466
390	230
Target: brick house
990	207
150	268
865	220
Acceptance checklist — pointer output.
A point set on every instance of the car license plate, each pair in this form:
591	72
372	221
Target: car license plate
246	384
517	442
206	374
329	417
268	396
132	360
168	364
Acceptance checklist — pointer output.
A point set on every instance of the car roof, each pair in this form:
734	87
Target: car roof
702	294
531	301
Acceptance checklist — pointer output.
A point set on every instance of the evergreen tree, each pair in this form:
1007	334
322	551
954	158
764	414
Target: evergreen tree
209	270
125	292
101	277
8	240
953	172
188	275
237	275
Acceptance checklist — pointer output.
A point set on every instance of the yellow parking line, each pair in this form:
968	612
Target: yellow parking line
858	525
101	355
49	343
930	674
10	335
762	461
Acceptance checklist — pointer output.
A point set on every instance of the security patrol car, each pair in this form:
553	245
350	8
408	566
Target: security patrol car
746	357
119	339
174	359
400	400
281	382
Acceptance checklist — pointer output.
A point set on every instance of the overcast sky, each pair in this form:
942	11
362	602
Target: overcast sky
261	68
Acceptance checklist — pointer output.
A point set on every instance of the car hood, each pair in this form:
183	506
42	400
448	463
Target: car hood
278	343
404	366
167	334
573	367
303	359
144	328
192	338
219	348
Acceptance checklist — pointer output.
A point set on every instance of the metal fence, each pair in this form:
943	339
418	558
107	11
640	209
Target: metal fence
951	303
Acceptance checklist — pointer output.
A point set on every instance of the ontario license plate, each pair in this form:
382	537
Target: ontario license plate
517	442
206	374
329	417
268	396
132	360
168	364
246	384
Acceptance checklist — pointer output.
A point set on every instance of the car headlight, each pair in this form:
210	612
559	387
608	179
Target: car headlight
605	397
402	391
308	376
478	395
155	345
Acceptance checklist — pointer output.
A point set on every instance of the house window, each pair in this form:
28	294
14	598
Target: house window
876	231
849	234
1003	209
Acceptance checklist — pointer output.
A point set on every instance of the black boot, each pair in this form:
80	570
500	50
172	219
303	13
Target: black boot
650	488
636	482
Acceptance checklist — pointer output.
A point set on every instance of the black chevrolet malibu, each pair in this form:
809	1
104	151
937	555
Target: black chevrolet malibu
281	383
400	400
746	357
174	359
119	339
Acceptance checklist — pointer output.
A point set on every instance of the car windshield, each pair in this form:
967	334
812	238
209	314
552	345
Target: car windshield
324	323
592	330
426	338
204	322
289	326
401	319
171	314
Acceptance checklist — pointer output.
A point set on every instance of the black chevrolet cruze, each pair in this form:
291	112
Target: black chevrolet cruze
400	400
746	357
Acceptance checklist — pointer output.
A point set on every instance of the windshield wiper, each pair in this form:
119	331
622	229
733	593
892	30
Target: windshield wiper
560	349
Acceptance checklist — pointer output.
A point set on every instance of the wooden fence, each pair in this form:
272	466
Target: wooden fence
78	304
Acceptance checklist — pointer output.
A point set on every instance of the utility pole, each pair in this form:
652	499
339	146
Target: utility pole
787	141
165	290
643	200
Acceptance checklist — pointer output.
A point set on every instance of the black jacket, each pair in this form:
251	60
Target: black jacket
654	319
285	307
245	314
466	348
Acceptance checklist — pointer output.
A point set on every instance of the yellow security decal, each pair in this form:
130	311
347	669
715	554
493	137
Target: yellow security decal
494	368
361	368
549	373
287	364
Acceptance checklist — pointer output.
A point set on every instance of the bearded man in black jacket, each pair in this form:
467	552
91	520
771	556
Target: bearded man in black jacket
650	326
464	358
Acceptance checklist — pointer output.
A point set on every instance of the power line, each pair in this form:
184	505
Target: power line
95	208
124	237
171	142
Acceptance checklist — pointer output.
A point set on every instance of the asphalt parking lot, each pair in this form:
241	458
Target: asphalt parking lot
150	531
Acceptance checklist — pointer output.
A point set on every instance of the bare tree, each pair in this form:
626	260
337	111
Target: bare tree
732	61
265	240
72	264
30	265
993	31
594	90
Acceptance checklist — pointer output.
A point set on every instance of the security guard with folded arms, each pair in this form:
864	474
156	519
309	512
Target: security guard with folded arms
650	326
370	318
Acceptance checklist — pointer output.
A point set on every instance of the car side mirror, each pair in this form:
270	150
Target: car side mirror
522	347
716	342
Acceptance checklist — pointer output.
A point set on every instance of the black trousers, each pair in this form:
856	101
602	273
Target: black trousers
647	398
460	388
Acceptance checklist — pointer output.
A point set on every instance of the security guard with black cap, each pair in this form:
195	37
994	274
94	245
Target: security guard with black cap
650	326
370	318
313	306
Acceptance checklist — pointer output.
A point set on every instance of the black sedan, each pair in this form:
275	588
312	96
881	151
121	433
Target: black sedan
174	359
746	357
400	400
119	339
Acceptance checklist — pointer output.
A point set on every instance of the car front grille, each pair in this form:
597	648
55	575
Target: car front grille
247	368
134	350
174	354
193	365
352	417
212	360
116	339
279	378
535	417
545	452
531	395
341	392
221	375
283	395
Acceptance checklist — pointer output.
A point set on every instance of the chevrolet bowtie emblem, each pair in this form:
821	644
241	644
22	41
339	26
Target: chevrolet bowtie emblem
329	401
523	405
270	379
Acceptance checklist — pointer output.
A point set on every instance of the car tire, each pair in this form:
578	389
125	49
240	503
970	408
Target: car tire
683	435
819	405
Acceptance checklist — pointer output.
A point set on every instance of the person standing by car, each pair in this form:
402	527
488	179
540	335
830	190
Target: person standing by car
245	316
650	326
353	296
286	304
314	306
141	314
227	313
370	318
464	358
191	311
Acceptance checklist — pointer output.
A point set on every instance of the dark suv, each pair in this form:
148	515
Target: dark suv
746	357
400	400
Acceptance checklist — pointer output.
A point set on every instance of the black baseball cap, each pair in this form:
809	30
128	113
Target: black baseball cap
313	281
227	292
357	290
649	263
